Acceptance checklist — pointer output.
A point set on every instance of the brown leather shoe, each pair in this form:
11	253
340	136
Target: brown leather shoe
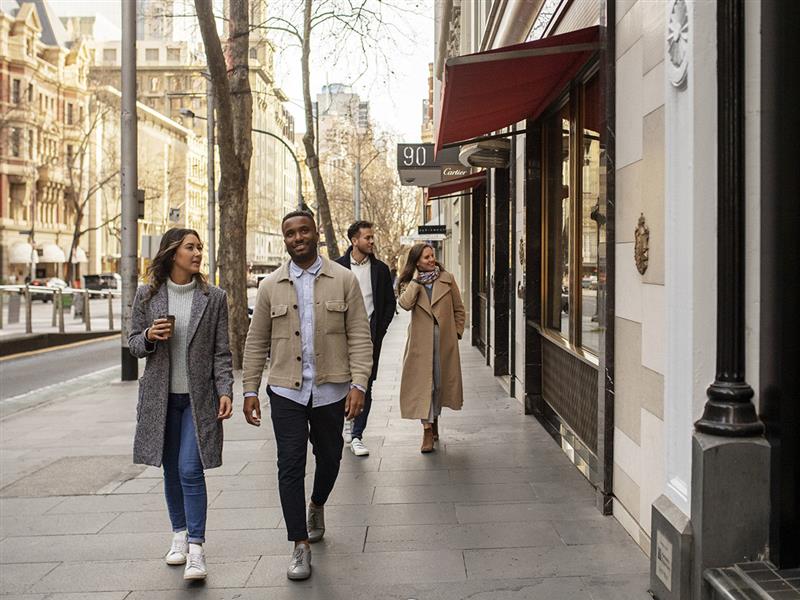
435	429
427	440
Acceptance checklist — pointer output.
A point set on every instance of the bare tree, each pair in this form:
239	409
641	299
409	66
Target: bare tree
391	208
341	25
229	70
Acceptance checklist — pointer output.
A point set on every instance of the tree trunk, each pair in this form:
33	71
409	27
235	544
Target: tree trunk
234	105
312	160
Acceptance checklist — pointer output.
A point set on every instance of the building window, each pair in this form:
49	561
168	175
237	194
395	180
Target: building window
110	55
30	93
70	113
16	93
174	54
254	53
31	144
556	132
151	54
70	155
573	161
15	142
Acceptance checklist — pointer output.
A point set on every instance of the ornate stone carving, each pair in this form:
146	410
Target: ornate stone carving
678	42
641	246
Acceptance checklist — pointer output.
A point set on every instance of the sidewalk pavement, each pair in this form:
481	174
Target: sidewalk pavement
42	317
497	512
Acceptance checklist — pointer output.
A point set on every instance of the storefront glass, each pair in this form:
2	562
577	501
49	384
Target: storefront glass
590	209
557	193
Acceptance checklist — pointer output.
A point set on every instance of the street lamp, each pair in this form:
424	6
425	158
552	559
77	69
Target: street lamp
189	113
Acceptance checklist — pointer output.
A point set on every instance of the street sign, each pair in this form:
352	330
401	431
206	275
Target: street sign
415	156
431	230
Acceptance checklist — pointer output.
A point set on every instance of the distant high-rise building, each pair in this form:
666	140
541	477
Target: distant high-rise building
154	20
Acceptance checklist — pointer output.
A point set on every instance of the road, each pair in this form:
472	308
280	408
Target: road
27	373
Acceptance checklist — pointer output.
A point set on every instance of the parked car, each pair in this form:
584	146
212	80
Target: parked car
52	282
103	281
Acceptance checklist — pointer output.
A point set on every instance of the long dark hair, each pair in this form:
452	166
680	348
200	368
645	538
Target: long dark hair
161	266
411	263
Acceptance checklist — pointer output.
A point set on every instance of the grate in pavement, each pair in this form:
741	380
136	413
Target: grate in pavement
74	475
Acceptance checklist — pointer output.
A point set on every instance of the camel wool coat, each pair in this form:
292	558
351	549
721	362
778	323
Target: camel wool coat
417	381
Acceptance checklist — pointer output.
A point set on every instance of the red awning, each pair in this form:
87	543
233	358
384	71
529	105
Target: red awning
459	184
487	91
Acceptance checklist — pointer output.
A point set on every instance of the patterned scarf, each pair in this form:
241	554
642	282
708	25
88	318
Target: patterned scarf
426	277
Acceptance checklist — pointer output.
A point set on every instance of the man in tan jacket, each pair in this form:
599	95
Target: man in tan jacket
310	318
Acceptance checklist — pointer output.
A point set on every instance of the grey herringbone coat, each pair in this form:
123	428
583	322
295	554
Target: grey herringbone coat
209	367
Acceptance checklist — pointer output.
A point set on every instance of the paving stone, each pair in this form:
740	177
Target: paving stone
526	511
516	589
513	475
461	537
21	525
596	559
461	492
109	503
579	531
391	567
18	578
391	514
218	519
619	587
10	507
138	575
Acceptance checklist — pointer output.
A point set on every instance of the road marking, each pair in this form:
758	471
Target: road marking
62	347
59	384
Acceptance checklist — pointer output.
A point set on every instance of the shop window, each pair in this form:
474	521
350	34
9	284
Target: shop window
573	180
557	185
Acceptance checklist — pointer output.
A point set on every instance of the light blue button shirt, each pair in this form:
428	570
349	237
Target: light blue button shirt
327	393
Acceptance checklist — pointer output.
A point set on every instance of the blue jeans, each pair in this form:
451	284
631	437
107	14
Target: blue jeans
184	480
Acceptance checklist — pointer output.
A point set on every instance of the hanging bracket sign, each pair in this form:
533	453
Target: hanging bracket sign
423	230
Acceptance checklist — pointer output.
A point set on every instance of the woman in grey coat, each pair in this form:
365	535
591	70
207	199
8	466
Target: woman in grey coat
179	323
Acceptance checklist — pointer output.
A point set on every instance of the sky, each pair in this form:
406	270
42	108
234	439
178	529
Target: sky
392	74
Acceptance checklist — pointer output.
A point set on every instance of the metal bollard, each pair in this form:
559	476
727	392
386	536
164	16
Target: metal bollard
28	311
110	311
54	297
60	311
87	315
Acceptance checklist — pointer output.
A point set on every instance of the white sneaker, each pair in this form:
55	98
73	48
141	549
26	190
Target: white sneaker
179	549
195	565
348	432
359	448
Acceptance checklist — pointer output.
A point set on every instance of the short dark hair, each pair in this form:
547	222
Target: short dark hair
298	213
353	230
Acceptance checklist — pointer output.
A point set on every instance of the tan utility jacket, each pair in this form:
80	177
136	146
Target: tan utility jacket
342	342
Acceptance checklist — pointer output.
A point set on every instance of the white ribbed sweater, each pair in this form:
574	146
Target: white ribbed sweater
179	298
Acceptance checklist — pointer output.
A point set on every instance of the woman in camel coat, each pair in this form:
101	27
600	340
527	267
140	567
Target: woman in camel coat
431	363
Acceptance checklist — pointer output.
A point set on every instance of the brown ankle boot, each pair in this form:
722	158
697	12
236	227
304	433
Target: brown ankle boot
427	440
435	429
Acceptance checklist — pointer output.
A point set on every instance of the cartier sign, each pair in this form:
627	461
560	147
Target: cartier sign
453	171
